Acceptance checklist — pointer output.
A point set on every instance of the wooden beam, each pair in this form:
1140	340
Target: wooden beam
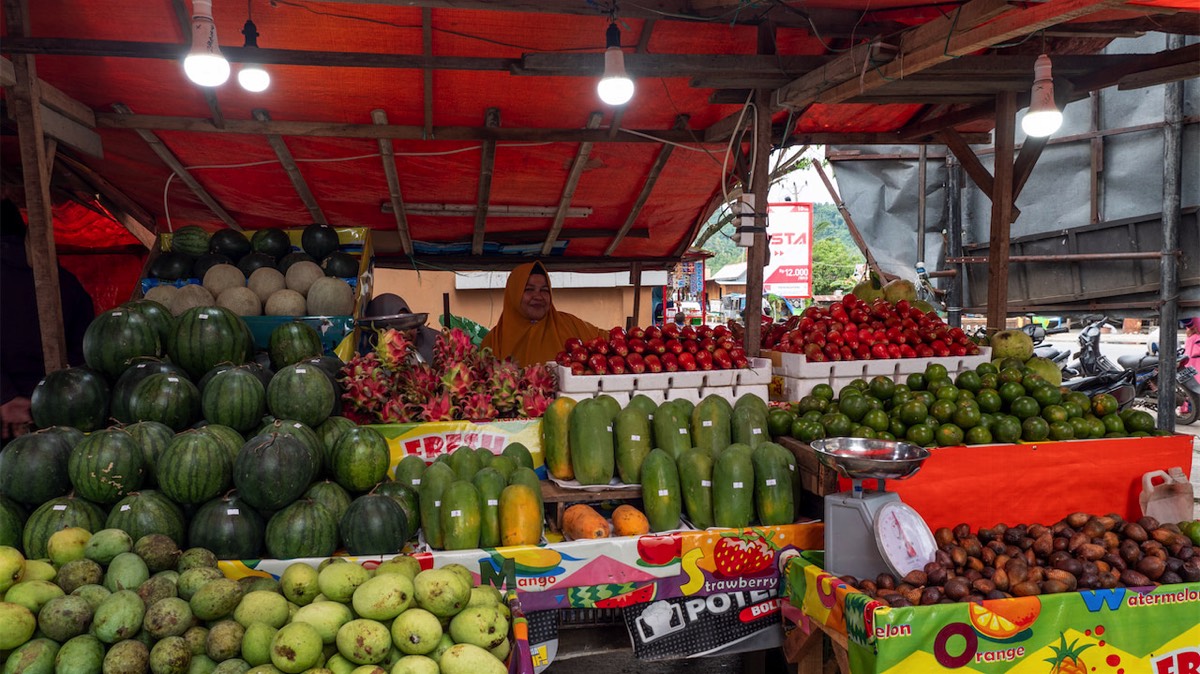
51	153
72	133
427	72
758	179
293	171
97	184
164	153
1002	205
848	65
970	162
1013	23
872	263
641	64
486	165
568	191
27	109
393	181
1031	151
660	162
52	96
184	17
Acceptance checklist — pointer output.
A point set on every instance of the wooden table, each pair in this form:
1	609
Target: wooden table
807	649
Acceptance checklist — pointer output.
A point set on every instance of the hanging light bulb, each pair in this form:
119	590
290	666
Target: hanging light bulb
205	65
615	88
252	76
1043	117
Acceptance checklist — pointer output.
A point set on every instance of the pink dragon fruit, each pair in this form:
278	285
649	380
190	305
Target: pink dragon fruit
394	412
393	348
421	382
436	408
458	381
540	378
505	380
534	404
478	407
452	347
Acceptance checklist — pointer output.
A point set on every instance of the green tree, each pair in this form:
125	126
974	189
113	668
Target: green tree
833	266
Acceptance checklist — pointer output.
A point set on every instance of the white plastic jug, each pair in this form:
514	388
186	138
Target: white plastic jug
1169	501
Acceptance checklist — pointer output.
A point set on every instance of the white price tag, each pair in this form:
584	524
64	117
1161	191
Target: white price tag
705	483
756	431
232	511
771	482
203	317
683	431
117	313
59	507
301	370
493	502
706	423
125	507
416	481
456	513
437	504
791	466
635	438
297	425
737	485
664	492
650	417
173	380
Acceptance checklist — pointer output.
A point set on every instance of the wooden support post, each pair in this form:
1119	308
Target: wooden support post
1002	205
293	171
970	162
756	257
393	181
872	263
427	73
486	164
27	109
1031	151
568	191
1096	150
660	162
137	220
636	272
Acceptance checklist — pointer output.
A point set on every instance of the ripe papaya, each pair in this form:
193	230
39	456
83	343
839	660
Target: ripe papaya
661	494
591	440
750	426
711	424
520	454
460	517
695	479
733	487
434	481
773	484
520	516
556	445
490	483
582	522
672	428
631	432
527	477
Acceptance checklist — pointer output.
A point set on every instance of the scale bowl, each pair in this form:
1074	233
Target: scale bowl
862	459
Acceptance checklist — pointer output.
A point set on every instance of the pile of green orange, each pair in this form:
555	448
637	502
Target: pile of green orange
997	402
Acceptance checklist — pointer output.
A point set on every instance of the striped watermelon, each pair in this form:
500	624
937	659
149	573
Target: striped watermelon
360	459
166	398
75	397
106	466
116	337
234	398
191	240
301	392
331	495
293	342
205	337
33	468
306	435
12	522
122	391
147	512
56	514
272	470
374	525
153	438
329	432
159	316
230	439
229	527
303	529
195	468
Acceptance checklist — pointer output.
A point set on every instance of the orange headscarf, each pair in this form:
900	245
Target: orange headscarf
527	341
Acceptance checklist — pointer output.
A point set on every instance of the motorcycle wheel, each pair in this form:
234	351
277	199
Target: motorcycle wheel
1187	408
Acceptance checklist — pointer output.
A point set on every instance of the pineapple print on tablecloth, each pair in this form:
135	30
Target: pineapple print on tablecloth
1066	658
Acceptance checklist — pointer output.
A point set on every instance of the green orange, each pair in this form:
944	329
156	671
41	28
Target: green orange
1055	413
979	435
913	412
779	422
916	381
823	391
949	435
1007	429
1061	430
942	410
969	380
919	434
967	416
1024	407
1034	429
1010	391
1104	404
854	406
988	400
882	387
876	420
1046	394
936	371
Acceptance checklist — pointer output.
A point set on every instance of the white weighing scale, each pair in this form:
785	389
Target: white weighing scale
870	532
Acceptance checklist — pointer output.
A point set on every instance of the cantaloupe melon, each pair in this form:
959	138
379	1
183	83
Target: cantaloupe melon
330	296
222	276
265	281
285	303
241	301
190	296
301	275
162	294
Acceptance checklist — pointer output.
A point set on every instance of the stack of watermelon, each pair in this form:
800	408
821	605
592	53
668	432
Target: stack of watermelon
174	428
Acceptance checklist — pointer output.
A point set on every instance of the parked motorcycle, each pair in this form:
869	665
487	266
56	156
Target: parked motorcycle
1187	390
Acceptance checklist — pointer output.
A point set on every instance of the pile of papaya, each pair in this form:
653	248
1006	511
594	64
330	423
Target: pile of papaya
712	462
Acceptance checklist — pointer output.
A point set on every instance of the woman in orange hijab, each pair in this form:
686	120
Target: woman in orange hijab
530	329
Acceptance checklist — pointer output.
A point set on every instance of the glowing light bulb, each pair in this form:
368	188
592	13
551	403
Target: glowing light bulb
254	78
205	65
615	88
1043	117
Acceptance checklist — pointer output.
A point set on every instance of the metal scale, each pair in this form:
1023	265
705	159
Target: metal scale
869	532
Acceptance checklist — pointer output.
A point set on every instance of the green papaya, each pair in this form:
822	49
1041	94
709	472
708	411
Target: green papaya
437	477
409	470
490	483
711	424
520	454
750	426
631	432
753	401
773	496
672	428
686	406
661	493
643	402
460	517
695	479
464	463
610	405
733	487
591	439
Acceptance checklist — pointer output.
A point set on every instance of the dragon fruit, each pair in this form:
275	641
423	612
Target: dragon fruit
478	407
540	378
393	348
534	404
436	408
451	347
506	378
458	381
